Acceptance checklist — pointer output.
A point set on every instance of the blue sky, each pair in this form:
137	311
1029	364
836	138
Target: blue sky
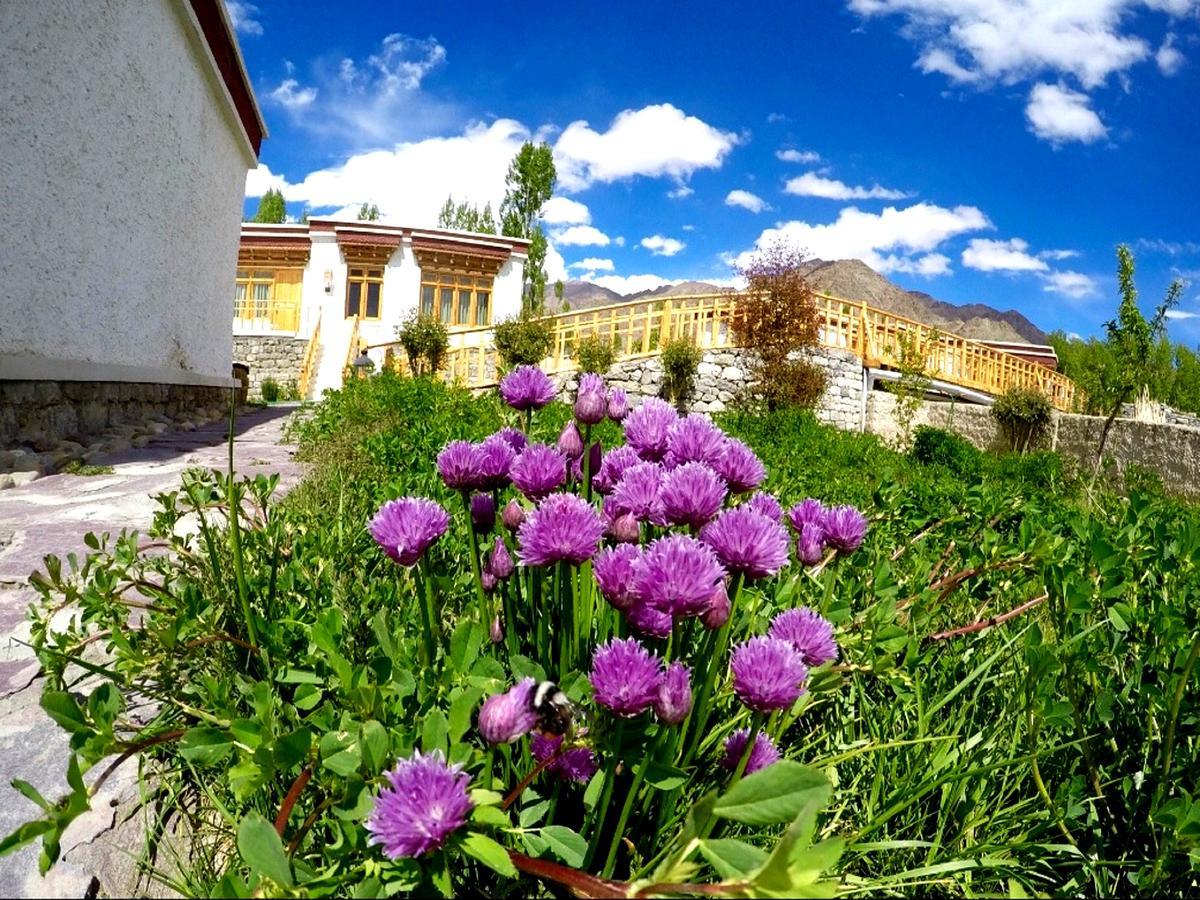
988	151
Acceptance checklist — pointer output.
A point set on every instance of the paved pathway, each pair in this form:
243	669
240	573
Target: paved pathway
52	515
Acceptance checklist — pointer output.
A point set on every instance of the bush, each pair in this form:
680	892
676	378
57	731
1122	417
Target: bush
425	340
936	447
523	340
680	359
792	383
1023	414
593	354
270	390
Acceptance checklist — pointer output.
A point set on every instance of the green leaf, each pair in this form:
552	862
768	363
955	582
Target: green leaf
26	833
28	791
465	645
433	734
344	762
204	745
375	745
491	815
262	850
565	843
732	859
490	853
775	794
462	709
663	777
289	675
62	708
481	797
292	749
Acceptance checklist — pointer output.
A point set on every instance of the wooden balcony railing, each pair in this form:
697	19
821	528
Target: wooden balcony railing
310	361
873	335
266	315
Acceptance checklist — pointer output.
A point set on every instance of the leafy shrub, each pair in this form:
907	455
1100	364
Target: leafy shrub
1038	470
270	390
523	340
425	340
1139	479
935	447
1023	414
594	354
680	359
291	390
793	382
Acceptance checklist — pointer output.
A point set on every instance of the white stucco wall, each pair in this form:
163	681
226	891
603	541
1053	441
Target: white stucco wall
122	175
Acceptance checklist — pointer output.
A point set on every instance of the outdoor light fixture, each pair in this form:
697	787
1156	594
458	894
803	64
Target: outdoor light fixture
329	281
362	364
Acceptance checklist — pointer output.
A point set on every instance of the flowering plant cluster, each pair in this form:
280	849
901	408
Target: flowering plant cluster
637	566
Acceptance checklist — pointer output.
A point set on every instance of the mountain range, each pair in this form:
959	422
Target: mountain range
851	279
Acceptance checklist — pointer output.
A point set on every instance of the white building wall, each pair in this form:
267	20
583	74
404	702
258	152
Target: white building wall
122	176
510	280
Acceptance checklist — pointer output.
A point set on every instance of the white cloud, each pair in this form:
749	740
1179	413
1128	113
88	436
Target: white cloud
810	184
242	17
565	211
1058	114
913	231
411	182
928	266
1075	285
653	141
554	266
1058	254
632	284
662	246
808	157
1171	248
775	117
1180	314
1013	40
400	65
680	192
746	200
261	179
1001	256
1168	58
592	264
290	95
581	236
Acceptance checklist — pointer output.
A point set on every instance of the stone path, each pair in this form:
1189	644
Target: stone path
52	515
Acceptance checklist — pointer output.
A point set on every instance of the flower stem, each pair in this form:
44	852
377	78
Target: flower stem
756	723
421	585
699	716
619	832
484	618
610	775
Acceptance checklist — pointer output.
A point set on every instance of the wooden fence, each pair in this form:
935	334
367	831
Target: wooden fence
877	337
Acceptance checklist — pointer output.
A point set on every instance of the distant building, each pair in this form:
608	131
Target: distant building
1042	354
335	286
127	128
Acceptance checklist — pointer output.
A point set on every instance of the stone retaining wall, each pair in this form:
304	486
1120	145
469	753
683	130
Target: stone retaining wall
1171	451
269	356
724	374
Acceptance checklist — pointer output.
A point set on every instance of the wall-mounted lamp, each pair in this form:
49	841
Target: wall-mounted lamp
329	281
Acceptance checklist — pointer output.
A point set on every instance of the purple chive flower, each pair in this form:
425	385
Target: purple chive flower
564	528
674	700
487	581
695	438
513	515
613	465
810	545
691	494
845	528
717	612
625	677
649	619
591	400
570	441
809	632
576	764
618	405
575	470
639	492
505	717
514	438
406	528
678	574
497	630
746	542
496	457
538	471
458	464
768	674
646	428
595	455
810	512
765	505
483	513
425	802
742	470
614	570
763	753
625	529
527	387
500	563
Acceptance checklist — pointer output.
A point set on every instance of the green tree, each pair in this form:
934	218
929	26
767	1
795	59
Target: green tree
271	208
1131	339
368	213
466	217
528	185
563	305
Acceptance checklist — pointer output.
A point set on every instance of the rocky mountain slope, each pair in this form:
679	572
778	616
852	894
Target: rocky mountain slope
853	279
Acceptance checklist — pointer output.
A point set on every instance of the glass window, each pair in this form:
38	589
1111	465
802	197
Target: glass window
373	289
483	315
463	300
447	309
353	298
464	306
427	291
364	293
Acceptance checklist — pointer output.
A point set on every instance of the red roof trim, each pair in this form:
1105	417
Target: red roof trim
224	51
280	241
359	237
459	247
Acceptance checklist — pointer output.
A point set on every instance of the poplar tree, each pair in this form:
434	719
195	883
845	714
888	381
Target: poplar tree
271	208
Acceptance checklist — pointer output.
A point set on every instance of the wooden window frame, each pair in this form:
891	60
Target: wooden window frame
456	280
367	278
